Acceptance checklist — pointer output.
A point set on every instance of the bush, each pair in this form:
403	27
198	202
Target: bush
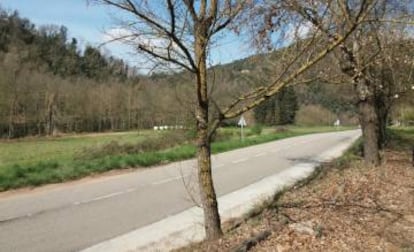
163	141
314	115
256	129
281	129
225	134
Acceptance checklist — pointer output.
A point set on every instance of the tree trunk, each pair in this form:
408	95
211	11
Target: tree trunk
129	109
366	101
382	111
50	117
382	115
207	192
10	127
11	116
369	124
212	224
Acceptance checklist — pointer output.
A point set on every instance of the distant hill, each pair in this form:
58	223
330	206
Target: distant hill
48	86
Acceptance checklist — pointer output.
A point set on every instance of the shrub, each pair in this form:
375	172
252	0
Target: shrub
224	134
163	141
256	129
314	115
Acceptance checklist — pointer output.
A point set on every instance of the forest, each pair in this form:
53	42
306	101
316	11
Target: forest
51	86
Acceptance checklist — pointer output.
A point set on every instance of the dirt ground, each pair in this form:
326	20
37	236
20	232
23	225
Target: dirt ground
346	207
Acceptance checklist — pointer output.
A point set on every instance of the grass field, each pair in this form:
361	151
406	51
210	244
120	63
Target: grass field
37	161
31	150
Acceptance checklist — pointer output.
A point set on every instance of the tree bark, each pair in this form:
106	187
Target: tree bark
382	115
369	122
207	192
212	224
365	91
382	109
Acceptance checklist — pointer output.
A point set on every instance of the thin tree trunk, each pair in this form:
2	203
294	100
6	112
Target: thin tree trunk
11	128
212	222
50	117
129	109
208	195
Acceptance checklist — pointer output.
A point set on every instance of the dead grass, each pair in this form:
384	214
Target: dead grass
345	208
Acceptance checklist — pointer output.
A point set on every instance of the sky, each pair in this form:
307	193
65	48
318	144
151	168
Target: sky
89	22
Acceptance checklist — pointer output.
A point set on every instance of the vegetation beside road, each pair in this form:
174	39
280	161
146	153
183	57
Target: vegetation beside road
37	161
345	206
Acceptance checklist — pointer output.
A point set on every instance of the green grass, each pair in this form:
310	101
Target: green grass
401	138
28	151
33	162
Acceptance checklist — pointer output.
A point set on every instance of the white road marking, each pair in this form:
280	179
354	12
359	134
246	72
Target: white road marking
107	196
260	154
130	190
104	197
168	180
240	160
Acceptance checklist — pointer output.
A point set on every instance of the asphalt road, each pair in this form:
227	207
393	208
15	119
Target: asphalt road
73	216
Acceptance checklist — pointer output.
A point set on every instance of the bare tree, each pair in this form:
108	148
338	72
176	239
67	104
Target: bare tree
179	34
358	56
392	72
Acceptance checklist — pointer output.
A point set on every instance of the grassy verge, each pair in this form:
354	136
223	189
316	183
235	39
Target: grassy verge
401	138
34	163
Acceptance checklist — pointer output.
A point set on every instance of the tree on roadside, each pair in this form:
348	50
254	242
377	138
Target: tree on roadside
358	58
180	34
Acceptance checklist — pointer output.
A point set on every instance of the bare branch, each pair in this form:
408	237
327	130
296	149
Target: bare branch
190	7
164	58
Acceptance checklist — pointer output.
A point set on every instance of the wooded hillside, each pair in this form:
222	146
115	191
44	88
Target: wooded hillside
49	85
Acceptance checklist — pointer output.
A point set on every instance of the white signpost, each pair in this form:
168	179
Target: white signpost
242	123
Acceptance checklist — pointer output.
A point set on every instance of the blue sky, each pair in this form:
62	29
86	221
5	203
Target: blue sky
87	23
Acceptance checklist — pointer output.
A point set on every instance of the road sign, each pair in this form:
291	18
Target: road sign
242	123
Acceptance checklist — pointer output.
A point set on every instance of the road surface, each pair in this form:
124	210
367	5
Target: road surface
74	216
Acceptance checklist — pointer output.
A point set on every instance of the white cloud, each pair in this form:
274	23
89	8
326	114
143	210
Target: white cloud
298	32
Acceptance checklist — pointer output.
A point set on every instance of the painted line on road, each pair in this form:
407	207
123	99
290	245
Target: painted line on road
107	196
168	180
240	160
132	189
260	154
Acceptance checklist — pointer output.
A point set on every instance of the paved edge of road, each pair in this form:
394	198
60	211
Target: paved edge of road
186	227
